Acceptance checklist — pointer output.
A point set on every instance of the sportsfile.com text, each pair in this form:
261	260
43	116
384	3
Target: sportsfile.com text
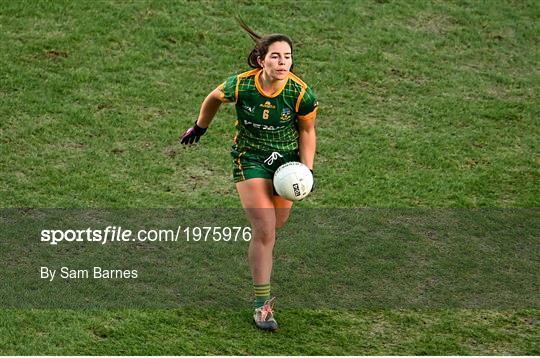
119	234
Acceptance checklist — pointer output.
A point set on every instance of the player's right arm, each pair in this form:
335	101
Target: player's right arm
223	93
209	108
208	111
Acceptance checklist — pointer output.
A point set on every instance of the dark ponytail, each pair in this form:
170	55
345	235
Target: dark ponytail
262	43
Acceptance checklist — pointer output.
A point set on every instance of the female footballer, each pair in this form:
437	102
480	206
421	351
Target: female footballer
275	124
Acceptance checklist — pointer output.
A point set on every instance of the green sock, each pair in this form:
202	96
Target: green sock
262	293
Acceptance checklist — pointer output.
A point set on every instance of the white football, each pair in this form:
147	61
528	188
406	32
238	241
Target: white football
293	181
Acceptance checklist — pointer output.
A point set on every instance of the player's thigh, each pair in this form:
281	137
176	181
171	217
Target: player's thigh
256	198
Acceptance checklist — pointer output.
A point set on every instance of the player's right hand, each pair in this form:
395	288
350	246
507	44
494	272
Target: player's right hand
192	135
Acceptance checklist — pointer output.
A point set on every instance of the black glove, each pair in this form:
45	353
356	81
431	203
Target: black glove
193	134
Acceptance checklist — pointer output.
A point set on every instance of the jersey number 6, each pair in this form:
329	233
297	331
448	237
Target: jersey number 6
266	113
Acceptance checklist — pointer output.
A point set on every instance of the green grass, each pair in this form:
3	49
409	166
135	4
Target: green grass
325	258
422	104
305	332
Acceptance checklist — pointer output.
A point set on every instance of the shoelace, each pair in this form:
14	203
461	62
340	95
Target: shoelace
272	157
267	308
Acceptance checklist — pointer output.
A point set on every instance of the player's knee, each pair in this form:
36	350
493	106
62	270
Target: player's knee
264	232
265	238
281	218
280	222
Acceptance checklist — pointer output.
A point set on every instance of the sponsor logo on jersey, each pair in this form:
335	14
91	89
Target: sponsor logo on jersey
285	114
250	110
260	126
267	104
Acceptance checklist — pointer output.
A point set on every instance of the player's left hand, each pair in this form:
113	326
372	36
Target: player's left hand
192	135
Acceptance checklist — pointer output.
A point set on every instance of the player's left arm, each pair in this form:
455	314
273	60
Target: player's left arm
306	113
307	141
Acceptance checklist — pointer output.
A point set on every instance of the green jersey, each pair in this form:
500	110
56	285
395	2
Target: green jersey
268	123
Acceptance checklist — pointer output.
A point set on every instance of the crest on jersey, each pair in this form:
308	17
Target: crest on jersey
285	114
